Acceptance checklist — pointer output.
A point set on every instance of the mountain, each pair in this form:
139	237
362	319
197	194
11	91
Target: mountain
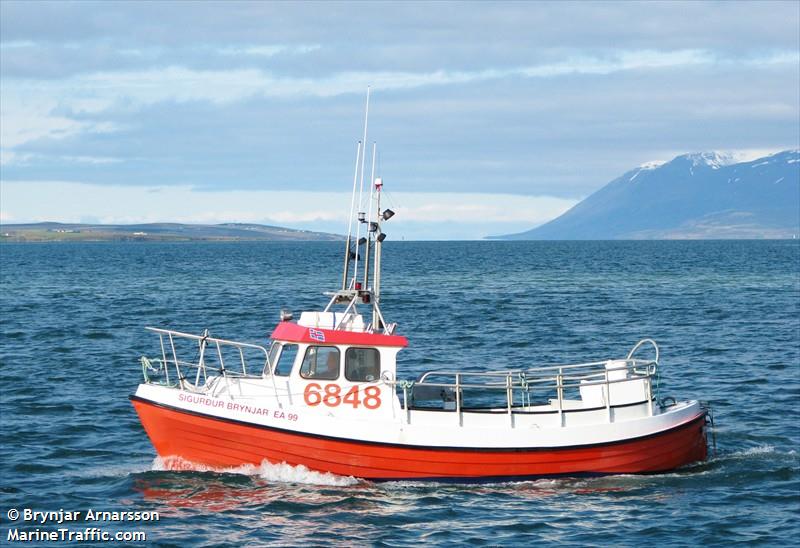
694	196
38	232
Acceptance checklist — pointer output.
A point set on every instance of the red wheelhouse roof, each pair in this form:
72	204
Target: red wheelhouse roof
290	331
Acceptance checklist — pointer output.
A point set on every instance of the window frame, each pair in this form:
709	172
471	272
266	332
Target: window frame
315	347
377	352
280	355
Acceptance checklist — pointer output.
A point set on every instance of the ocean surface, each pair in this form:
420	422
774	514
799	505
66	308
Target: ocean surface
726	315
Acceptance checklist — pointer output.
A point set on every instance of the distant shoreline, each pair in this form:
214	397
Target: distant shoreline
11	241
157	232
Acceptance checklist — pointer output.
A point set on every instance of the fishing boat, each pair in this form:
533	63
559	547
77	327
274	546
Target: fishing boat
324	394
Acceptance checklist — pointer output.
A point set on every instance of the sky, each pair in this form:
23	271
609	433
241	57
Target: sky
489	118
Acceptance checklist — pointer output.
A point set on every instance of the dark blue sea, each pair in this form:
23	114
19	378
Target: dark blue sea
726	315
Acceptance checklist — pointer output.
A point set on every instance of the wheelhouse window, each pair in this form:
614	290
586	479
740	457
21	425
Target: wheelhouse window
362	364
272	356
321	362
288	352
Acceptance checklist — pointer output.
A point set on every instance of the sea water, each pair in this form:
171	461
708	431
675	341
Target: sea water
725	314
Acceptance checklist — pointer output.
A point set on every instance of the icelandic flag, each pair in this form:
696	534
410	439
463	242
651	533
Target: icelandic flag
317	335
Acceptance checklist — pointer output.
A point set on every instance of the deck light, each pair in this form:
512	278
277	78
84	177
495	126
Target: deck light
387	214
373	227
362	240
381	237
286	315
362	217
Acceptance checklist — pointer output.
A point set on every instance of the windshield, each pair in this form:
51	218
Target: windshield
274	350
285	360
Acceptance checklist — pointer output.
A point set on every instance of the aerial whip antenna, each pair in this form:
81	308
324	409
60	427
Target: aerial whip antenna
350	222
361	190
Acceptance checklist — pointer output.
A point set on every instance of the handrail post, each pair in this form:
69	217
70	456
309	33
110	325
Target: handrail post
509	399
201	360
560	395
649	393
244	362
405	404
607	396
458	399
164	357
224	373
177	367
654	373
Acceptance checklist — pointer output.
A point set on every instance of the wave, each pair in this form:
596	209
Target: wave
281	473
757	450
765	450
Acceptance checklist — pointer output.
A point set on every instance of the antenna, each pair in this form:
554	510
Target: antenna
350	222
361	188
354	289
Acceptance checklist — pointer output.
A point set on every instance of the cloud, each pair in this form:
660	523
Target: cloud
267	50
34	109
533	99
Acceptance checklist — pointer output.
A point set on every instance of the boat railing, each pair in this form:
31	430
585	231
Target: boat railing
209	362
448	388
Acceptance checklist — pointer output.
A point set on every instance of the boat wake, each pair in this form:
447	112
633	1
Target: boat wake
758	450
279	473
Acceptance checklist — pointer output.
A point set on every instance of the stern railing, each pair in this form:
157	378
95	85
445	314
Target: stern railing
519	385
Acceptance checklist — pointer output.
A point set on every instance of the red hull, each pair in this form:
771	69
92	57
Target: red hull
221	443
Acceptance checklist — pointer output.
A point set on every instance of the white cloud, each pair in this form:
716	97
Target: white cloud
30	107
29	112
478	208
17	44
267	50
25	120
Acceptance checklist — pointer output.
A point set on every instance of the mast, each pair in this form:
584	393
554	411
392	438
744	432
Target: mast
370	233
379	237
354	290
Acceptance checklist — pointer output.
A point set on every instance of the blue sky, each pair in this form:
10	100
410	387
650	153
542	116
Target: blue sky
490	118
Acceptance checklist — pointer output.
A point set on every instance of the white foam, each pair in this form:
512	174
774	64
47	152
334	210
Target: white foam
758	450
107	471
282	473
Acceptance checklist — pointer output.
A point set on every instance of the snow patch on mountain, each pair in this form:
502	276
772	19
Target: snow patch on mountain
714	159
652	165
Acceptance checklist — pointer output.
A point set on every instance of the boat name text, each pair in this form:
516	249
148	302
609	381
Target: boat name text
240	407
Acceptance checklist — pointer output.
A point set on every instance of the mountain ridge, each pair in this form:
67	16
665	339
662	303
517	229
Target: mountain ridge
693	196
